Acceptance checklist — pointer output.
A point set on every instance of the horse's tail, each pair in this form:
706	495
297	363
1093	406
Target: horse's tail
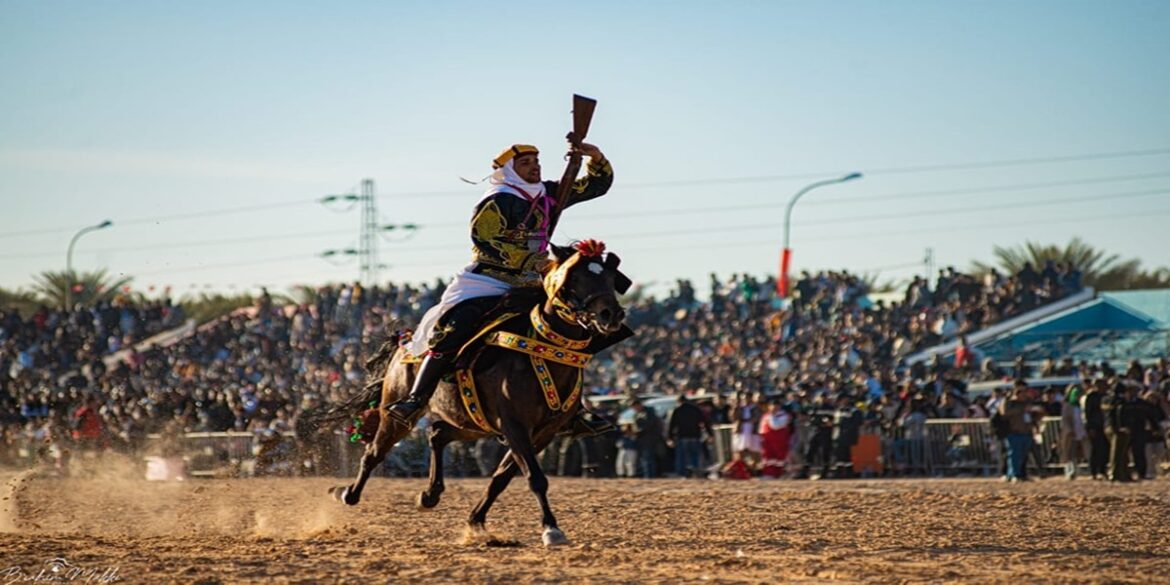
368	397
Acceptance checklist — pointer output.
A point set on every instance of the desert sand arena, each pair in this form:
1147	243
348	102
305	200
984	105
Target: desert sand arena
666	531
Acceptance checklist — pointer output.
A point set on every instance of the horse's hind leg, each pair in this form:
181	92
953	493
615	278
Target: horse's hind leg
440	435
500	480
387	436
525	454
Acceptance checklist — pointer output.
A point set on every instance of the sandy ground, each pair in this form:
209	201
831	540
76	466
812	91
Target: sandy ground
667	531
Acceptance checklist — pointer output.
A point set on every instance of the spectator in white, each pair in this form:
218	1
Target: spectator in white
627	456
747	424
1072	431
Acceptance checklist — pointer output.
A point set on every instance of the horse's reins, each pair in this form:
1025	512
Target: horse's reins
573	312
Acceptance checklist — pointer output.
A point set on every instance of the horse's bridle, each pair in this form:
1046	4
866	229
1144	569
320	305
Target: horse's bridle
572	311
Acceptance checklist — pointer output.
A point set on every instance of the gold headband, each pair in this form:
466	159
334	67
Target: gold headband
512	152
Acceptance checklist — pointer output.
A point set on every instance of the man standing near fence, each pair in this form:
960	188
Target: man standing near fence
1094	418
686	430
847	421
1021	425
648	433
1118	414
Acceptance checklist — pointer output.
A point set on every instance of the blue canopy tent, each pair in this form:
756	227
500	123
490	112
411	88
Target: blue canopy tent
1107	328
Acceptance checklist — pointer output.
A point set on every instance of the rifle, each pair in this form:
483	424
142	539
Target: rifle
582	116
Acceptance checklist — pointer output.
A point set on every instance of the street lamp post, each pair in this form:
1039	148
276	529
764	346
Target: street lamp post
786	255
69	257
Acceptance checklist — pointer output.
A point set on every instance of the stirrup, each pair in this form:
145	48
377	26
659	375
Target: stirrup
408	420
587	424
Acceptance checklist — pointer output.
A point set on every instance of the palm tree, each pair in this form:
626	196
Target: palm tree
303	294
207	307
1099	269
22	301
84	288
873	285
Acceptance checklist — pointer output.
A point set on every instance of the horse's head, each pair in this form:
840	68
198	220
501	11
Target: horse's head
584	284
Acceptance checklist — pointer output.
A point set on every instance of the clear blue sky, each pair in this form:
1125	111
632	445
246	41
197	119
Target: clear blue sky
139	110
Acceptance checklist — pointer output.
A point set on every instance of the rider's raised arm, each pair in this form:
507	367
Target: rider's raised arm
596	182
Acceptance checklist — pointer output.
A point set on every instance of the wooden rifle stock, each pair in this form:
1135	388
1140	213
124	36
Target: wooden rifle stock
582	116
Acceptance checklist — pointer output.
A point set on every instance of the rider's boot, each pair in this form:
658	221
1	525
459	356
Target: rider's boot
587	423
430	372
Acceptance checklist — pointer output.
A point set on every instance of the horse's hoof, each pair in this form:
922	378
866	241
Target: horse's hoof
554	537
342	494
476	534
426	501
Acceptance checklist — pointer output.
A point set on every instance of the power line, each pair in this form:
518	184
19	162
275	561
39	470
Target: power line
865	198
903	215
172	217
834	237
643	185
199	267
640	214
1018	162
873	217
737	227
741	244
876	171
193	244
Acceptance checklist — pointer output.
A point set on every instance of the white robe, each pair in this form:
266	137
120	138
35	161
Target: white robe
466	285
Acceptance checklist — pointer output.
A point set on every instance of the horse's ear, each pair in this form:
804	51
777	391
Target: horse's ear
561	253
621	283
612	261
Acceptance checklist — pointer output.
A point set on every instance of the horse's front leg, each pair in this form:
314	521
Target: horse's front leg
525	454
500	480
441	434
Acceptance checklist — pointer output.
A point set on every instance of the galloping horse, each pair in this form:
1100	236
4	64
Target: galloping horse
520	380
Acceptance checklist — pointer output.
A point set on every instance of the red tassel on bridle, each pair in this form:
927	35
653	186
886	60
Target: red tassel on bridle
590	248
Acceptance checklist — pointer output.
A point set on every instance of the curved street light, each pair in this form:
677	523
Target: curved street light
69	257
786	255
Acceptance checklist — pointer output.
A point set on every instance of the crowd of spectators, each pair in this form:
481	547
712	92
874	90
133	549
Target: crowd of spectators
820	368
257	369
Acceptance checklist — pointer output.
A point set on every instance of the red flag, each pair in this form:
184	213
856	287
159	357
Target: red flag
782	282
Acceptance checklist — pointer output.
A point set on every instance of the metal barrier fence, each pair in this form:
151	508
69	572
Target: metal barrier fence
722	442
941	447
227	454
945	446
252	454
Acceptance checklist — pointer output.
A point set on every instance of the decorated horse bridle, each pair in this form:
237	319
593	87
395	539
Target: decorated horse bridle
569	309
575	312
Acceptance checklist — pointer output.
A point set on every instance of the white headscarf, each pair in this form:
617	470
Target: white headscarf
505	180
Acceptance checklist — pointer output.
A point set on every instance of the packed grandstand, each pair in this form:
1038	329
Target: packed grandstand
832	360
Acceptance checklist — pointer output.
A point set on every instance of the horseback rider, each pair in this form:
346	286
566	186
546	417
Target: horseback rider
511	227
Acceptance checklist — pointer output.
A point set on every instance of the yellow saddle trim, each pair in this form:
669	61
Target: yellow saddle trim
549	387
539	349
470	397
558	349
